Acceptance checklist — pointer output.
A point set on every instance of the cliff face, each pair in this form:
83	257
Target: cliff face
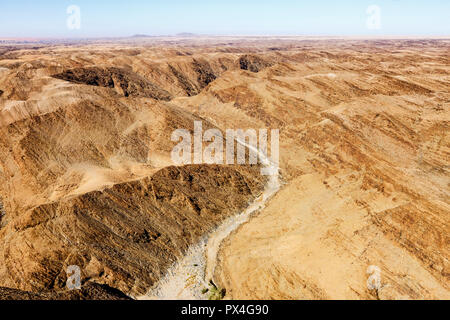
86	176
123	81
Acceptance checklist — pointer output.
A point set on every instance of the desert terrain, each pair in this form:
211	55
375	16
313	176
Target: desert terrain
87	179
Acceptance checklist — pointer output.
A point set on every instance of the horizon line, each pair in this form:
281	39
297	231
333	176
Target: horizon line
200	35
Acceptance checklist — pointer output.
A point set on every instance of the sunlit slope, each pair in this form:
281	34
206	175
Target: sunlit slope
364	149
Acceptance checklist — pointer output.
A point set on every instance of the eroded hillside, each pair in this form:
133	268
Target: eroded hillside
86	176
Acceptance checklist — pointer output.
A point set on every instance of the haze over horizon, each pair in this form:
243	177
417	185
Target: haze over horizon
48	19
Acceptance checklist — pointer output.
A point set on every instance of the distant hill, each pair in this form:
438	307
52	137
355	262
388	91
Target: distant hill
186	34
141	36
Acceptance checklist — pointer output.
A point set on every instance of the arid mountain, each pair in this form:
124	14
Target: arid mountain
90	291
86	176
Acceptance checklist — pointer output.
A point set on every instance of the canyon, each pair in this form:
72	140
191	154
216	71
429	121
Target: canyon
87	177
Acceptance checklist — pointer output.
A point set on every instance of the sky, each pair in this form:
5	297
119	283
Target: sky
114	18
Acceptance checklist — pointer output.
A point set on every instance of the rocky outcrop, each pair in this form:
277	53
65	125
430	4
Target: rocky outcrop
123	81
125	236
253	63
188	87
205	75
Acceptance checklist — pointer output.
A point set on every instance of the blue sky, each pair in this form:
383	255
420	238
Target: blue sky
110	18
